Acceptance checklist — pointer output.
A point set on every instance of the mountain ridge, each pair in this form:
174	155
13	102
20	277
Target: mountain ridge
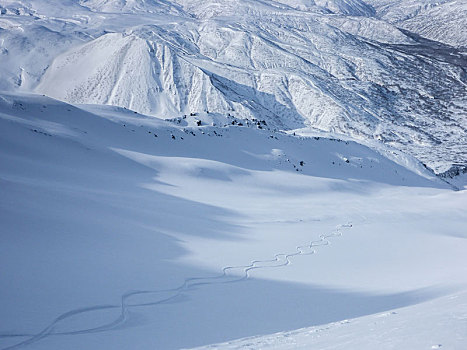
295	67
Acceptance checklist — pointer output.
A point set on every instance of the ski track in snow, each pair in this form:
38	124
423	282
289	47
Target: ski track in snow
279	260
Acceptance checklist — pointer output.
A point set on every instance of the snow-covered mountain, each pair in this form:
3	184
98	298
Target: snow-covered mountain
328	65
182	173
442	21
132	6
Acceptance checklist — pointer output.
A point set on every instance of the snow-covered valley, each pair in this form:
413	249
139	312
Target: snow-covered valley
233	174
122	231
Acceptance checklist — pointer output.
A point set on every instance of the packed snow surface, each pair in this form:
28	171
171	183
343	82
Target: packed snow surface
123	231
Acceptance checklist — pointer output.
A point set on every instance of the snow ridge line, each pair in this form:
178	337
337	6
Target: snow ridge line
282	259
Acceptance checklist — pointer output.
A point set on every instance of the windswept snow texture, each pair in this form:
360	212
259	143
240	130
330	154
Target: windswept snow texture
371	332
123	231
367	69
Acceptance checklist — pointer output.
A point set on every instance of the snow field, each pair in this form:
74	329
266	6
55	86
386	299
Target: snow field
121	230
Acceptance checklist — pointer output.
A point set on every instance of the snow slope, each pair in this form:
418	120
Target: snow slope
440	323
443	21
120	230
131	6
335	66
347	7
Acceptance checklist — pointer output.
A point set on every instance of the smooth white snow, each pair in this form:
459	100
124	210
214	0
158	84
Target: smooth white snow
113	238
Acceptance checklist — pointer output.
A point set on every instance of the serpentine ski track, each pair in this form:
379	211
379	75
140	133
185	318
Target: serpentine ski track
227	276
